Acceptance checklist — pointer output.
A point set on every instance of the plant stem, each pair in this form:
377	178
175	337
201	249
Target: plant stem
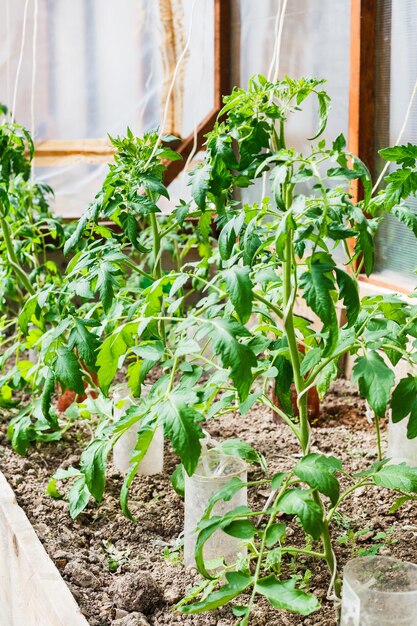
292	343
378	437
328	549
157	270
270	306
13	261
271	520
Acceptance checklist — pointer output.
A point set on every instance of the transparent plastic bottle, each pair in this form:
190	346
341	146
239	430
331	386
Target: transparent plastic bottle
213	472
379	591
153	461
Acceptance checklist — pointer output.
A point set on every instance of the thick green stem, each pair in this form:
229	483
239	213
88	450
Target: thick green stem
378	437
328	550
299	383
157	270
261	552
13	261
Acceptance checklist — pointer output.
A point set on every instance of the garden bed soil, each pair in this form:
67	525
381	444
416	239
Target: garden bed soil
150	577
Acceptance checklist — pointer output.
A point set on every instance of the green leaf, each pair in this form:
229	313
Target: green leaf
298	502
404	397
311	359
30	309
104	285
241	529
181	426
67	371
241	449
406	216
397	477
78	497
317	285
93	466
324	106
277	178
406	154
46	399
277	480
177	480
86	342
108	358
90	214
375	380
154	185
239	287
233	354
318	472
130	227
200	180
349	293
226	493
282	594
274	534
237	582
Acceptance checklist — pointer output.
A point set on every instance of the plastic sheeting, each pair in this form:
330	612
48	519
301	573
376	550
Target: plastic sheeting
101	66
315	42
396	259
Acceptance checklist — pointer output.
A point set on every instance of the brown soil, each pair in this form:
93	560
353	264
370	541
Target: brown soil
78	548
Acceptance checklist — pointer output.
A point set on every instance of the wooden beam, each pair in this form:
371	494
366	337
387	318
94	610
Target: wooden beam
32	591
361	141
222	51
362	81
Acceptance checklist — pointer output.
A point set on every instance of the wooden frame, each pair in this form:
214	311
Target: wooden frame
53	152
32	591
366	15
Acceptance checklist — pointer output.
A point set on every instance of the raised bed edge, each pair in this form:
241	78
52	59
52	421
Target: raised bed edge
32	591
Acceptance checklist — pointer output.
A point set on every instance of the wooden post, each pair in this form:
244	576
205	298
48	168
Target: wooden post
362	81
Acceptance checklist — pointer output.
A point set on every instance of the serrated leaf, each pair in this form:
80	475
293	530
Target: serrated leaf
200	180
318	472
93	466
233	354
181	423
67	371
237	582
404	398
239	287
78	497
349	293
375	380
86	342
282	594
299	502
397	477
241	449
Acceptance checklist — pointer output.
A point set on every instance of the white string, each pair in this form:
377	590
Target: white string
32	95
281	27
276	30
195	134
8	53
171	87
275	61
19	65
401	133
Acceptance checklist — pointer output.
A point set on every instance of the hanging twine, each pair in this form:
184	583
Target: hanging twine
19	65
171	87
172	20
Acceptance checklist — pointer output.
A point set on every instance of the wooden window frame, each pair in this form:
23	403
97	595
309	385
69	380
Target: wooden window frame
363	105
58	152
